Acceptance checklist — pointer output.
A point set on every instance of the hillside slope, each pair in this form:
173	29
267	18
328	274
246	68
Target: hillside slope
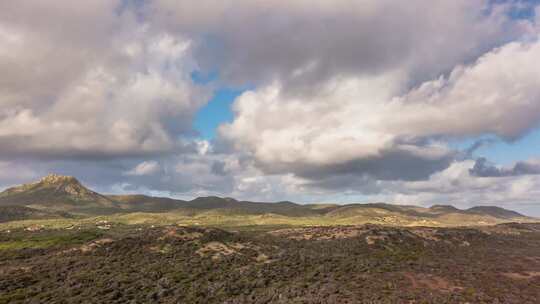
17	213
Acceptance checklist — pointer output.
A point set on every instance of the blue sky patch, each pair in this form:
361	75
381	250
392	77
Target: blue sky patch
216	112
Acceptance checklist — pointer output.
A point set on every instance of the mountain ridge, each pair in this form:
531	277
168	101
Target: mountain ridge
57	193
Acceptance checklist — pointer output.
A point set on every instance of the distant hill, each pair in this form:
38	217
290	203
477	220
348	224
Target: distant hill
143	203
17	213
444	209
494	211
55	193
245	207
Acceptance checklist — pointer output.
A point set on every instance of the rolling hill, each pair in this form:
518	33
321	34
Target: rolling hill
55	193
493	211
16	213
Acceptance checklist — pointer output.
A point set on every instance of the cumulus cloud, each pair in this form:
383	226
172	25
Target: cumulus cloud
498	94
359	125
87	81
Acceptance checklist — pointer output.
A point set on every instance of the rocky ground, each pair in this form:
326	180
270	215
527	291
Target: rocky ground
353	264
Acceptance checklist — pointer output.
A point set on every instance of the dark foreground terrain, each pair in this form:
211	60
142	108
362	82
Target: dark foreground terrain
354	264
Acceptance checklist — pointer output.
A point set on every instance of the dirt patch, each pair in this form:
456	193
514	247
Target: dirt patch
522	275
216	250
181	234
320	233
262	258
162	248
11	269
239	246
373	239
88	247
95	244
432	282
427	234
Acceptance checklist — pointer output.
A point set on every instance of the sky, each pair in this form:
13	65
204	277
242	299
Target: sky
412	102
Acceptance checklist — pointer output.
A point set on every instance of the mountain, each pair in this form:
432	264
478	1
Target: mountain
59	193
56	193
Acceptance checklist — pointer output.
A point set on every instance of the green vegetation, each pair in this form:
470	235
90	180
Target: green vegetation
13	213
48	239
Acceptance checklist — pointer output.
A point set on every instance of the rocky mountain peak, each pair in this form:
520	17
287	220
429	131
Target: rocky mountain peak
67	184
59	193
52	179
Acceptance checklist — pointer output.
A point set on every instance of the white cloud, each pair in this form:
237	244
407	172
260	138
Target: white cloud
145	168
203	147
125	89
351	121
499	94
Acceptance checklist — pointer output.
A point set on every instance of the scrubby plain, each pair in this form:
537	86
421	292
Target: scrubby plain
346	264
